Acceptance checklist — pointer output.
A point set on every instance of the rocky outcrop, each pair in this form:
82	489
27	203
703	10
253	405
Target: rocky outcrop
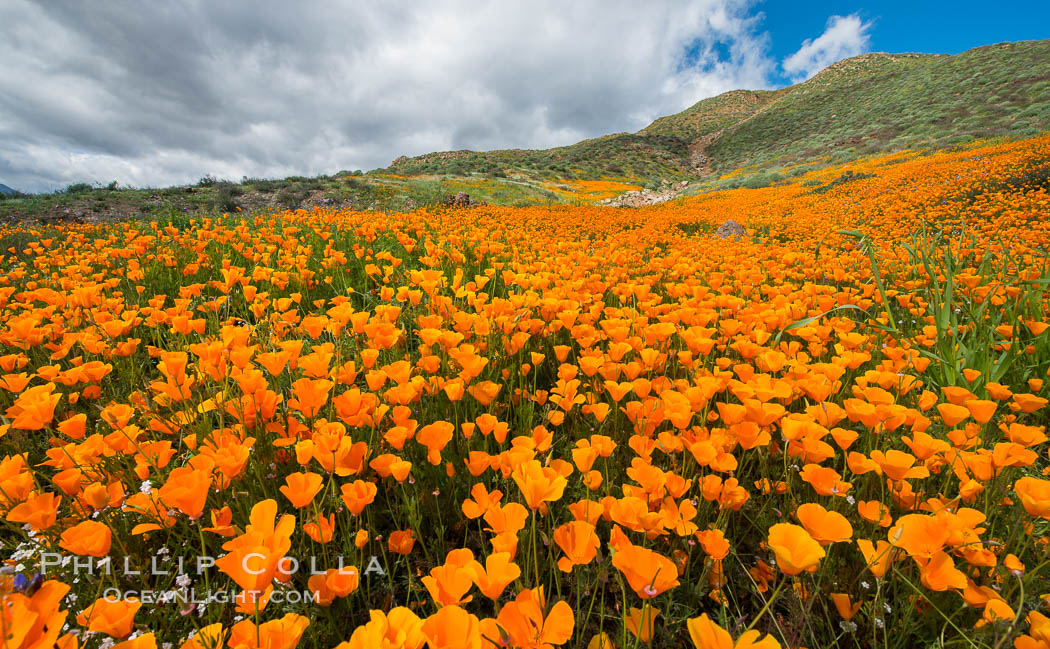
731	230
642	197
460	199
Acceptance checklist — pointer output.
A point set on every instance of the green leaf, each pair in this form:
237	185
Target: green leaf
798	324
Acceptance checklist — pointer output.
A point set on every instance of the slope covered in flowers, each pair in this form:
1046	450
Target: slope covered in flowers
558	426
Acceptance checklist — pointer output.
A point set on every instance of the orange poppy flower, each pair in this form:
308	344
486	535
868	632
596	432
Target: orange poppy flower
714	543
952	414
40	511
705	634
874	511
641	621
824	480
539	484
449	583
88	538
254	558
824	526
939	572
452	628
579	543
321	529
401	541
357	495
648	573
1028	403
310	395
435	437
481	501
528	623
144	641
300	488
795	549
115	618
399	628
1035	496
34	408
282	633
846	608
878	556
209	637
498	573
187	490
898	465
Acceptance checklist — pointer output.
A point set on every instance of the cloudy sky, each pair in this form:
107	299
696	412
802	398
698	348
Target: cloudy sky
161	93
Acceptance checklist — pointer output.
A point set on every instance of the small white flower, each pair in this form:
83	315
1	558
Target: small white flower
146	487
183	581
848	626
878	622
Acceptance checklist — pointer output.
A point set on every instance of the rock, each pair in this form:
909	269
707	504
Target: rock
639	198
731	230
460	199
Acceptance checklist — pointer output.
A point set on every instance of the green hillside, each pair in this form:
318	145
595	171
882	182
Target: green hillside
879	102
713	114
871	103
622	155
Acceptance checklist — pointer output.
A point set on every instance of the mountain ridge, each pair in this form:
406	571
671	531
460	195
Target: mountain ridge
871	103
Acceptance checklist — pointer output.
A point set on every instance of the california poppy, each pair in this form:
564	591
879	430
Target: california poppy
795	549
300	488
648	573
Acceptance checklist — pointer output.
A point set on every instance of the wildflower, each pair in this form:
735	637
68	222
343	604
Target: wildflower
88	538
705	634
579	543
281	633
398	628
647	572
357	495
300	488
795	549
112	617
498	573
539	484
187	490
528	622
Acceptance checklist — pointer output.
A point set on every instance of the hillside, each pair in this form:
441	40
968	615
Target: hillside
871	103
878	102
874	103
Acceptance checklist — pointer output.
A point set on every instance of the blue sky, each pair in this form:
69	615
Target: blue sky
917	26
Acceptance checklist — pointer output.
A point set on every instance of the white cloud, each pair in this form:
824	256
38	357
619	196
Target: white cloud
152	94
844	36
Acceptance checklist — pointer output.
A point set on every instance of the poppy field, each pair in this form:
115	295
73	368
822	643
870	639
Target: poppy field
554	426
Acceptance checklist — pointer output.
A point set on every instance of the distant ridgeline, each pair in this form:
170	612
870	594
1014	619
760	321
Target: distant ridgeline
868	104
